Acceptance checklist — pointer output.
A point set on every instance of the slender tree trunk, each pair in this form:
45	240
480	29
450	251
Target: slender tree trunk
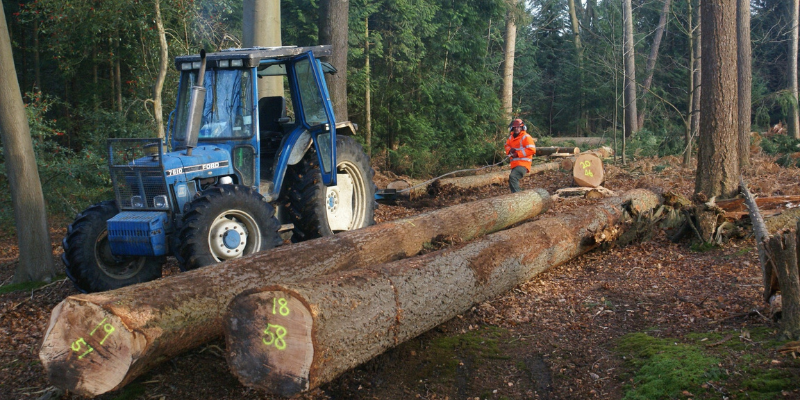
261	26
318	329
37	66
117	70
631	115
368	89
166	317
794	118
718	162
687	136
162	71
745	76
698	80
651	59
579	54
30	215
111	79
333	29
95	80
508	63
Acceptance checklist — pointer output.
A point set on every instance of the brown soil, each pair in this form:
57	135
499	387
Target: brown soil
555	337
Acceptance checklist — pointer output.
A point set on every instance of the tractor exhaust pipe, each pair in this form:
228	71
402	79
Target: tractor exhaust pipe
196	107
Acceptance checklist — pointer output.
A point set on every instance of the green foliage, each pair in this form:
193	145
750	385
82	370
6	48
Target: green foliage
785	146
664	368
25	286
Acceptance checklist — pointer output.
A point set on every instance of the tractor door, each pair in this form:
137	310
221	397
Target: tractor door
315	112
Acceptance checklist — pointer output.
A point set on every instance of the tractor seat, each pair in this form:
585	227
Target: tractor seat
270	110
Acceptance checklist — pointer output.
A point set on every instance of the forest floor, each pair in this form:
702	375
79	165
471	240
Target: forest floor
650	320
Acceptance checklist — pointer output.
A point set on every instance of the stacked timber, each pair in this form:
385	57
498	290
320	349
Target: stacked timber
290	338
99	342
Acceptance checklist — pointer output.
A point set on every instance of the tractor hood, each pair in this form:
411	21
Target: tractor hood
205	162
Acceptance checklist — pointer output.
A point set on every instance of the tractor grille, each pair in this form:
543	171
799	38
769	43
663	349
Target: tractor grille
135	173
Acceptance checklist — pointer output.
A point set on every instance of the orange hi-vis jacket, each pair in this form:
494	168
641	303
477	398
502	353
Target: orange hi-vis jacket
525	148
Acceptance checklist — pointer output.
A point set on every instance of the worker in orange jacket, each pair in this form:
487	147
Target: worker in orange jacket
521	147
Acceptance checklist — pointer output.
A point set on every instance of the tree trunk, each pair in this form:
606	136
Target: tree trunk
579	54
318	329
162	72
718	162
794	117
117	71
261	26
651	59
697	82
745	79
631	121
30	215
368	90
37	66
783	252
145	324
508	64
333	29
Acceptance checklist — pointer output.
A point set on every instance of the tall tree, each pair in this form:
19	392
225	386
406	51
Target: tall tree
745	76
30	217
261	26
718	163
651	59
695	62
794	117
576	34
333	30
507	96
162	71
631	117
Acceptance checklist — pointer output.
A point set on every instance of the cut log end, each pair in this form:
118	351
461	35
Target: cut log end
588	171
269	342
87	350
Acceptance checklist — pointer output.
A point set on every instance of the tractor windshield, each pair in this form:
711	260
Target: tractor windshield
228	107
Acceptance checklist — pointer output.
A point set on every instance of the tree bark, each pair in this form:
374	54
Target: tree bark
261	26
631	118
320	328
151	322
794	117
783	252
507	96
30	215
651	59
162	72
745	79
333	30
718	162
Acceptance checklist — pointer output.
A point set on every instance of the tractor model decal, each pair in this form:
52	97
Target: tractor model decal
201	167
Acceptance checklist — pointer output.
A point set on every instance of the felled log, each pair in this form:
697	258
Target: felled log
568	163
548	151
290	338
99	342
769	279
587	192
782	250
768	206
588	171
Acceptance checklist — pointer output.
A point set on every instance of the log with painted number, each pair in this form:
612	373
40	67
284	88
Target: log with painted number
335	322
588	171
99	342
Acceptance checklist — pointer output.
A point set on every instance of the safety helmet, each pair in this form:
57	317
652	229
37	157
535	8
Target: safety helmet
517	123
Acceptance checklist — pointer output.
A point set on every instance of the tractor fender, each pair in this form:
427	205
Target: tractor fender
346	128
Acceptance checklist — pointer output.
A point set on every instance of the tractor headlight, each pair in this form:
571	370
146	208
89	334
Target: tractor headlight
186	66
224	63
160	201
137	201
236	63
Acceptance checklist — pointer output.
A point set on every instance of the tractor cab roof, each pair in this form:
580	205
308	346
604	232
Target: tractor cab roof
252	57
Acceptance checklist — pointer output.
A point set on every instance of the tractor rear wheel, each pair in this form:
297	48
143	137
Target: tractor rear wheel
317	210
88	259
226	222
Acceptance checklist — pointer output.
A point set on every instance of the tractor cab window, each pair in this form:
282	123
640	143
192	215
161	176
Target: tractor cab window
228	106
313	106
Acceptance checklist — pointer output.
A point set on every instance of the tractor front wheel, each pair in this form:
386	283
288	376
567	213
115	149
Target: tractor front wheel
226	222
88	259
317	210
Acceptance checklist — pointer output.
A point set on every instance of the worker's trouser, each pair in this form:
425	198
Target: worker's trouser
513	180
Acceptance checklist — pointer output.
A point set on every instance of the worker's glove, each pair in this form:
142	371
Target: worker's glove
512	154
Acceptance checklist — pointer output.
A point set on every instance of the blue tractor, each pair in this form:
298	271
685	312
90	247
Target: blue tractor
240	170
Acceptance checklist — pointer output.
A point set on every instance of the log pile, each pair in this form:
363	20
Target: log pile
99	342
290	338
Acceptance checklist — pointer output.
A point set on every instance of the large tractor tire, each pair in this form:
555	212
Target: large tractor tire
226	222
317	210
88	259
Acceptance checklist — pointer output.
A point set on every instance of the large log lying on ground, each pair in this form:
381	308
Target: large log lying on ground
99	342
289	338
500	177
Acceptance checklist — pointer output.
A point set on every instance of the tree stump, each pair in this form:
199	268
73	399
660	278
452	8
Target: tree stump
782	250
